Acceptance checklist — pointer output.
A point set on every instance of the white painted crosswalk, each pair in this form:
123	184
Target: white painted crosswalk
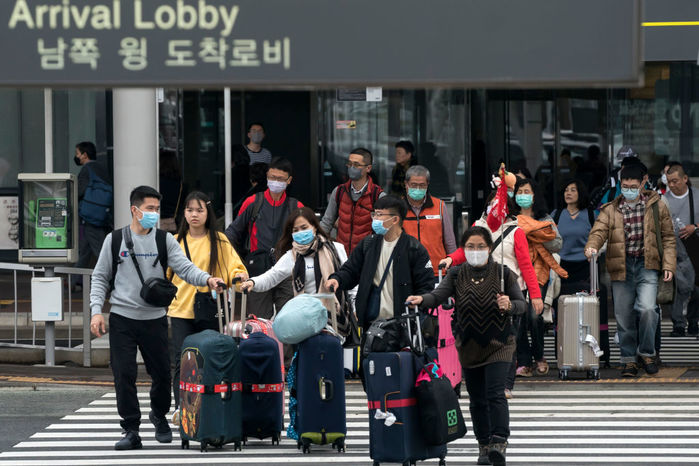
551	424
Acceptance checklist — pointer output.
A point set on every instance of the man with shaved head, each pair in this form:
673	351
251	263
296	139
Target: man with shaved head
683	201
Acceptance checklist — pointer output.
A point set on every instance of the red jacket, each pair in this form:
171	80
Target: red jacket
354	218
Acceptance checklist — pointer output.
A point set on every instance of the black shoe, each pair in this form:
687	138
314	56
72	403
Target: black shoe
163	433
496	451
630	370
649	365
131	441
483	454
693	330
677	332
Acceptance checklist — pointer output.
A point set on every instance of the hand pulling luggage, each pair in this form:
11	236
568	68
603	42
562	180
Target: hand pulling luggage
395	426
211	388
578	330
447	355
263	388
320	390
253	324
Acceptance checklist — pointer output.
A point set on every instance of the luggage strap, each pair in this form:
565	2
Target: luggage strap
263	387
392	404
211	389
444	342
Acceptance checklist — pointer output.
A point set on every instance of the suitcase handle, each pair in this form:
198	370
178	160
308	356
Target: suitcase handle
594	275
407	315
326	389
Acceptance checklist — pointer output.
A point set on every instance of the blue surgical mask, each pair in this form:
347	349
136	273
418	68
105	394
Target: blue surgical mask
149	219
417	194
525	201
377	226
630	194
303	237
511	194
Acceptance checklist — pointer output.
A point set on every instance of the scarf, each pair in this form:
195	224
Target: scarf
325	262
477	315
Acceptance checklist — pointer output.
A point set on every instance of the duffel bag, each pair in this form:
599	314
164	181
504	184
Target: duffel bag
301	317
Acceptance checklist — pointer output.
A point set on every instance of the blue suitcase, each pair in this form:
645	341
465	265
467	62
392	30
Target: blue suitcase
320	391
390	386
263	388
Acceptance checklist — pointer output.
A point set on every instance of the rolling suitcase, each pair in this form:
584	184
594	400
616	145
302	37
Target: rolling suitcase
320	390
263	388
447	355
210	388
578	347
395	430
253	324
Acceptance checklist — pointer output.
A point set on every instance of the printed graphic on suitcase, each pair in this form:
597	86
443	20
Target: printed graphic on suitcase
395	430
210	391
263	388
578	347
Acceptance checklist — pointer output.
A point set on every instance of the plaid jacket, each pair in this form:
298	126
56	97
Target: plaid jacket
633	225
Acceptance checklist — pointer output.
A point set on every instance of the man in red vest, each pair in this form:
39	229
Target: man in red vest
351	203
428	219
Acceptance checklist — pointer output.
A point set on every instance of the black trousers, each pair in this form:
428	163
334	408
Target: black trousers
181	329
149	336
490	414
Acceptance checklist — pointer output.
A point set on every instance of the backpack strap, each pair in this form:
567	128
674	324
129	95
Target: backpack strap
161	244
591	216
557	216
117	236
691	207
338	197
259	199
503	236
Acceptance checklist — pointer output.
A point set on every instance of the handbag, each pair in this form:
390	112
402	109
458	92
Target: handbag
385	336
155	291
440	414
205	308
666	290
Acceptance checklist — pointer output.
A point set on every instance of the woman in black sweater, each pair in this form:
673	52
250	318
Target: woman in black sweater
485	337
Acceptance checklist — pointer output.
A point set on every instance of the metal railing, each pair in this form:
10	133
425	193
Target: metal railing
68	272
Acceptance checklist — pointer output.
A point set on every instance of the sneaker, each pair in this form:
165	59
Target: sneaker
131	441
508	394
524	371
542	367
630	370
649	365
677	332
163	433
496	451
176	418
483	454
693	329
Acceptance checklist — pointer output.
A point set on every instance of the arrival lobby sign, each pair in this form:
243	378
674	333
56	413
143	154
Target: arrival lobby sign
320	43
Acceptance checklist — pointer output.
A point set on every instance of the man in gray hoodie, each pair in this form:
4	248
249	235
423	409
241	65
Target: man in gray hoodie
133	322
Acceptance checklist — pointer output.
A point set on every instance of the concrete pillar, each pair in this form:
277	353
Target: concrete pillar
135	146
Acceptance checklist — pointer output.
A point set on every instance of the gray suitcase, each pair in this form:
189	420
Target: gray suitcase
578	348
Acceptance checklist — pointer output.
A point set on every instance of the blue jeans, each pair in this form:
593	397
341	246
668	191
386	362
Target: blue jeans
634	309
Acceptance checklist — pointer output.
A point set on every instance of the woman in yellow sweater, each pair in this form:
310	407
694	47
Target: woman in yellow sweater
196	236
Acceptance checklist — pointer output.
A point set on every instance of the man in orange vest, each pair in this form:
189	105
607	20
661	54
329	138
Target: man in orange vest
428	219
351	203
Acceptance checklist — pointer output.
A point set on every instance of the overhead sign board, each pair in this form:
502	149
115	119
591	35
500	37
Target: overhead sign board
319	43
671	30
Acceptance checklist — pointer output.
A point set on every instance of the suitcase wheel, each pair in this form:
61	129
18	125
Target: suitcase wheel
276	438
410	463
236	446
306	445
185	444
593	374
442	462
245	440
339	444
563	374
202	446
376	463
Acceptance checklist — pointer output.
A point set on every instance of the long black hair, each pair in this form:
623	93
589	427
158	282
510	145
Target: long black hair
210	225
286	238
539	207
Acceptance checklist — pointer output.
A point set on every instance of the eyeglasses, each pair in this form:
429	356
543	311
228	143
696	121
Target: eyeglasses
277	178
381	214
417	186
480	247
355	165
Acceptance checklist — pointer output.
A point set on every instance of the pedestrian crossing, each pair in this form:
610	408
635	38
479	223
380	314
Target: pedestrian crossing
550	424
673	350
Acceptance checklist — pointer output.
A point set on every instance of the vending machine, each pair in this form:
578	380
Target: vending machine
48	218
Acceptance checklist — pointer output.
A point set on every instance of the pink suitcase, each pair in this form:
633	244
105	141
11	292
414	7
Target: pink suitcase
252	324
447	355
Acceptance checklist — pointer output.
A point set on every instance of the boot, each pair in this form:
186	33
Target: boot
483	454
496	450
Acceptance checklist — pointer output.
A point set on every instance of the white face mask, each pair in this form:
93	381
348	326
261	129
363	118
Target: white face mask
476	258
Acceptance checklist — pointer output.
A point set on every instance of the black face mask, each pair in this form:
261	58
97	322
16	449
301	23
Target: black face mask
76	159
